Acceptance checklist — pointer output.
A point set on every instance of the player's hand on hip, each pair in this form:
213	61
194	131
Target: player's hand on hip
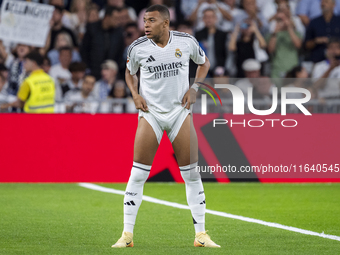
140	103
189	98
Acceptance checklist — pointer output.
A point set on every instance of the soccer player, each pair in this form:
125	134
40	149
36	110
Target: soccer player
164	101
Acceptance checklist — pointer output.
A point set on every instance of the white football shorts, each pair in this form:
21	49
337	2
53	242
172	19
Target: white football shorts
171	122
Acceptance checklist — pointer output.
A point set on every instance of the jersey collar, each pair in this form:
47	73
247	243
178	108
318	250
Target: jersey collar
170	40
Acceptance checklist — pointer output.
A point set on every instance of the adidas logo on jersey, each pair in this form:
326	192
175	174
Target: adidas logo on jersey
150	59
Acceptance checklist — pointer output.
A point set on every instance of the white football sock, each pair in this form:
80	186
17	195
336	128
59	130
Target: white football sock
134	194
195	195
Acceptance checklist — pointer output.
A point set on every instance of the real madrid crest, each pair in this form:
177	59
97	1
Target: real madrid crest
178	53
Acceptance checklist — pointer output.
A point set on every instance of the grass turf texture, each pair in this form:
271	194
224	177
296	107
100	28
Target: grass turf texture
68	219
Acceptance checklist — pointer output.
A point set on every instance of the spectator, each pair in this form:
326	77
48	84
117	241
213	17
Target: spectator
221	76
212	40
284	43
82	101
186	27
283	7
297	77
235	12
119	92
131	34
4	72
37	92
252	70
311	9
76	19
123	17
46	66
103	40
57	25
262	86
321	29
292	6
3	83
263	89
99	3
62	40
251	13
245	42
60	71
221	11
187	7
17	72
327	72
153	2
4	56
118	5
106	83
77	70
93	13
267	8
4	96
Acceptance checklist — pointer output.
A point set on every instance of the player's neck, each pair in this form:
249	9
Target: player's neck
162	41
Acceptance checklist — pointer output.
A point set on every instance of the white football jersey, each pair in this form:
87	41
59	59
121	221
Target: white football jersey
164	72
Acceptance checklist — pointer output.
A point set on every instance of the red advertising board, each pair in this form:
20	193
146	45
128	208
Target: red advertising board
99	148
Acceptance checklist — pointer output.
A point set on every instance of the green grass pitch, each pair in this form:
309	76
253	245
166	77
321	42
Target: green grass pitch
69	219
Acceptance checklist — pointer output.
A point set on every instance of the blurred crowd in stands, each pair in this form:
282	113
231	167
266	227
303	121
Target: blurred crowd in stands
245	40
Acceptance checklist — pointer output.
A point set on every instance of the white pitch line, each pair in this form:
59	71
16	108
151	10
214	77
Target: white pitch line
222	214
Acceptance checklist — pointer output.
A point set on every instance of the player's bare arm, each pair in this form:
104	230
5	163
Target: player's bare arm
201	72
132	83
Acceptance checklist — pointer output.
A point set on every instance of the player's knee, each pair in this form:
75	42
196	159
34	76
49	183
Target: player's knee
191	176
138	175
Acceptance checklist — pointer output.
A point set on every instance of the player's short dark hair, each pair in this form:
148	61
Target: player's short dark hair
77	67
67	48
36	57
162	9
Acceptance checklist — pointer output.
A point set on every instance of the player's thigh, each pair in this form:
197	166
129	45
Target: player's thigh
185	144
146	143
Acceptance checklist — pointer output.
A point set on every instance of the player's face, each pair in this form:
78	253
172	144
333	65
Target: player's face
154	25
